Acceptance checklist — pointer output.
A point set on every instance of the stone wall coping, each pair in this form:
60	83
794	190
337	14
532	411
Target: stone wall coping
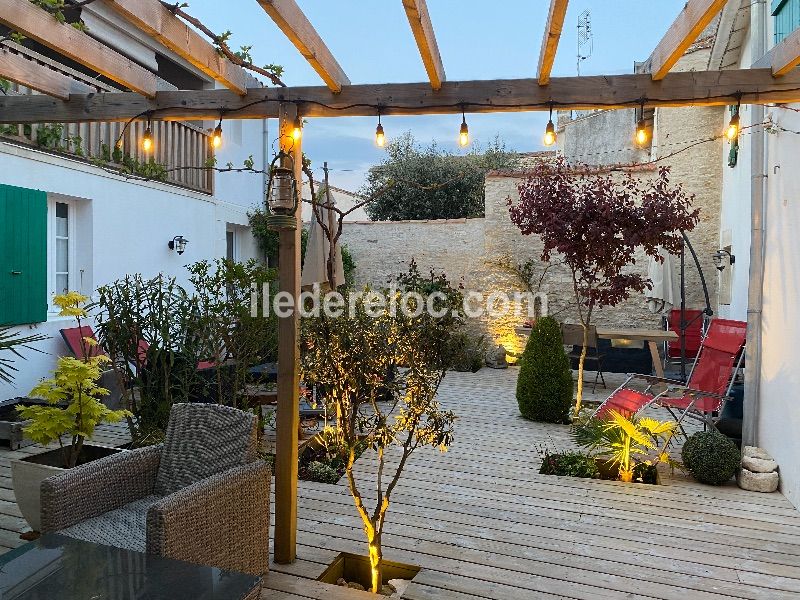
423	222
522	173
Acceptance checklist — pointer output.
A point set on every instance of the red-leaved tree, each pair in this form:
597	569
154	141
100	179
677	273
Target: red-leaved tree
596	222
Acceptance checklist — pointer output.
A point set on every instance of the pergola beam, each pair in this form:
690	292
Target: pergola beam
40	25
552	35
296	26
690	23
691	88
784	57
159	23
422	28
41	78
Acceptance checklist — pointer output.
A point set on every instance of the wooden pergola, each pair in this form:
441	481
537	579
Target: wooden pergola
774	80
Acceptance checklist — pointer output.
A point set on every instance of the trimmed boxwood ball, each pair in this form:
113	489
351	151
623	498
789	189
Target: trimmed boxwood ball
544	386
711	457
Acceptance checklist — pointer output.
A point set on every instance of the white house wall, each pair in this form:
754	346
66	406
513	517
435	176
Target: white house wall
735	212
124	227
779	408
779	412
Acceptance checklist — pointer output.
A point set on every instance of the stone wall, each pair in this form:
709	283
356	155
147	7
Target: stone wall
477	254
382	249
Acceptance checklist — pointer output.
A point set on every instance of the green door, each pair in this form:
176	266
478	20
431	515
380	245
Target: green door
23	256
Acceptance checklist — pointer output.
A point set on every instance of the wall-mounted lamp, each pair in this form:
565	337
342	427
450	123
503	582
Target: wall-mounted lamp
721	257
178	243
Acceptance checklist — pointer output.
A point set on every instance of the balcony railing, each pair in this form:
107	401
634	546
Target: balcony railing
180	155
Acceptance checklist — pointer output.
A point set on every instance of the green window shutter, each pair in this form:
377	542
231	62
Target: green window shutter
787	17
23	256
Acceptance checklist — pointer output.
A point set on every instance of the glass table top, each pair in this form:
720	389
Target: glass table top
56	567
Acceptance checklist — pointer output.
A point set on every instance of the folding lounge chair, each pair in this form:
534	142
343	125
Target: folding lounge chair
693	335
73	338
709	386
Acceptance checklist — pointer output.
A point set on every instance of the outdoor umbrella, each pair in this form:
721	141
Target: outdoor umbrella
316	264
661	297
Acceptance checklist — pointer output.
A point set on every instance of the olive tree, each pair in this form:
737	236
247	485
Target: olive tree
379	367
430	183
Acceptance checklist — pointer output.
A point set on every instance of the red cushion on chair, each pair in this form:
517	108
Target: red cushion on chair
625	401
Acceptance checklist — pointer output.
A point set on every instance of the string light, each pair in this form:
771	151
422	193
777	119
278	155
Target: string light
216	137
734	127
380	136
463	134
642	133
297	128
147	138
550	131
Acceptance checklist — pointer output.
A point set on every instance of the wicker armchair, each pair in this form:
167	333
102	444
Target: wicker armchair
201	496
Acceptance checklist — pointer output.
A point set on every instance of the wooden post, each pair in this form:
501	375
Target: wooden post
288	414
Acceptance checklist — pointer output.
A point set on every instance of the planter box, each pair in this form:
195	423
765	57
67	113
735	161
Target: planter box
27	475
611	473
355	568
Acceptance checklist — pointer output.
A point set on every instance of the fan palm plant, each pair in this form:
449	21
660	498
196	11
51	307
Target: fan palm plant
626	441
12	342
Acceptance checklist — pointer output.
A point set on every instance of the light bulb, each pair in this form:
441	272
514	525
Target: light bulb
380	137
550	134
642	135
297	129
463	135
732	132
216	137
147	140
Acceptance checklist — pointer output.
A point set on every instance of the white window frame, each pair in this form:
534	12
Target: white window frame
72	254
234	231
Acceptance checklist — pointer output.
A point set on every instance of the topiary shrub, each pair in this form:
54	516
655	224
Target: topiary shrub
544	386
711	457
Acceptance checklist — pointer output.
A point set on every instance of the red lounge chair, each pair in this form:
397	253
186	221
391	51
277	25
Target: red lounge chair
73	338
693	334
142	353
709	386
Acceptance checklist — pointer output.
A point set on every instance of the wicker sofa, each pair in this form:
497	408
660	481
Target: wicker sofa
202	496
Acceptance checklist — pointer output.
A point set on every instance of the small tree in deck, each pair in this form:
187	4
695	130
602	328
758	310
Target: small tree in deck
596	222
379	370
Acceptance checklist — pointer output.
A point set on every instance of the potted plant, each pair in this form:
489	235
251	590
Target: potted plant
73	409
11	425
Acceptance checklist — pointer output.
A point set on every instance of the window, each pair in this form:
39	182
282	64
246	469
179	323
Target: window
62	247
231	252
787	17
63	237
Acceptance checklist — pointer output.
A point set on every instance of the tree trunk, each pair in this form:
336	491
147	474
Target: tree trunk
376	563
581	363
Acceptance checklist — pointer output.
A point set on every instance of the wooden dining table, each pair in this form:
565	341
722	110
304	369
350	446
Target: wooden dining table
653	337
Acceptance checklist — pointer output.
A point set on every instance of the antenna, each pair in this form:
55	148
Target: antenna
585	38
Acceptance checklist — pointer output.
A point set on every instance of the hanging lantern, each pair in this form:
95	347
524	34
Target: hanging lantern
282	193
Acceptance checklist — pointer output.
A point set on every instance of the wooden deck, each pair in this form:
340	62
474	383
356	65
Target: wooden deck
483	523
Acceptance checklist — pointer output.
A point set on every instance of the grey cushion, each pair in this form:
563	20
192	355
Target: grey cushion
203	440
122	528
